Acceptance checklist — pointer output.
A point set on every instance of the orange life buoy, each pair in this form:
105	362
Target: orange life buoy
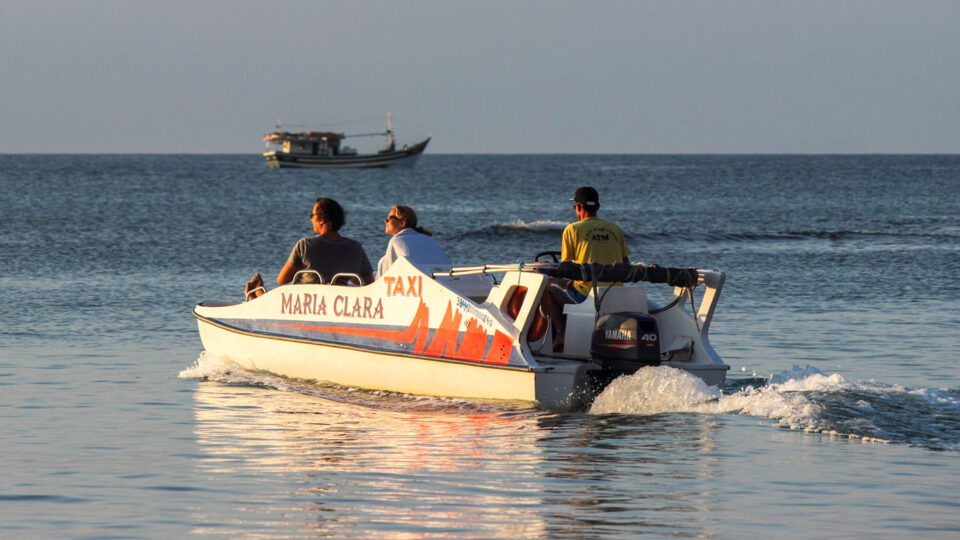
538	327
516	300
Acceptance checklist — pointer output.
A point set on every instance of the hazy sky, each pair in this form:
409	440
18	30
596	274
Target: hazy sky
484	76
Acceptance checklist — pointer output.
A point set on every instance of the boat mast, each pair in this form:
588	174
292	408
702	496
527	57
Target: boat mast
270	139
390	144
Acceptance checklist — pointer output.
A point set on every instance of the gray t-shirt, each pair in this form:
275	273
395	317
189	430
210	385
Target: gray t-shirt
330	257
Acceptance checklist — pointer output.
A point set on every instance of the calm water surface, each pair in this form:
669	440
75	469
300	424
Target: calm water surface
841	418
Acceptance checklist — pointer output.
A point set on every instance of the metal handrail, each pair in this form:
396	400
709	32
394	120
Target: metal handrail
704	275
492	269
348	275
319	277
246	297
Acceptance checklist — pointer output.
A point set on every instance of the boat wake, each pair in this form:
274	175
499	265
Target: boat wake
209	367
801	398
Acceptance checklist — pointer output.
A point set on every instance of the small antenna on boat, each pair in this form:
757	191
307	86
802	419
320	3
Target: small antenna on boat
390	143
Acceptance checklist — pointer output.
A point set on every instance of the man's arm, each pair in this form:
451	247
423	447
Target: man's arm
286	273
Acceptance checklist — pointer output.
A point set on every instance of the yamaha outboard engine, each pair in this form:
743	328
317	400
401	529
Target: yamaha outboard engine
625	342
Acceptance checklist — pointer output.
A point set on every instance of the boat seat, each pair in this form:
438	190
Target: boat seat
619	299
347	279
312	276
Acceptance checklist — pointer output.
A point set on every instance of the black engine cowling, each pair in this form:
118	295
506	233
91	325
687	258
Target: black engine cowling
625	342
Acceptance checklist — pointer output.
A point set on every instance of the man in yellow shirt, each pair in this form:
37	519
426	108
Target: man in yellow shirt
591	239
588	240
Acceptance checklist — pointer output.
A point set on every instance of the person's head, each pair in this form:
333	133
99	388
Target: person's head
327	211
402	217
586	202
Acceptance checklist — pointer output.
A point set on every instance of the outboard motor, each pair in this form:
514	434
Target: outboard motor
625	342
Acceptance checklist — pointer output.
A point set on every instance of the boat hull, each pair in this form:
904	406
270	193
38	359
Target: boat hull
410	332
406	156
558	387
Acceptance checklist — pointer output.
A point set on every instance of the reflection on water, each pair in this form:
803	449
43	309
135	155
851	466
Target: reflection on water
411	467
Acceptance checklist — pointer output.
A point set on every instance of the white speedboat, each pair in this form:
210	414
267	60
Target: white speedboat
459	333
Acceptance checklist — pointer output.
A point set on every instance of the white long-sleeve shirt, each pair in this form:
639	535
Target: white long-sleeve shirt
420	249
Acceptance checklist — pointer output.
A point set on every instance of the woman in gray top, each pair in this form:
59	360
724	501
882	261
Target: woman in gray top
328	253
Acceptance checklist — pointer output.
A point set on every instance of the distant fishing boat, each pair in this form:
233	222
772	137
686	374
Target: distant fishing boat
325	149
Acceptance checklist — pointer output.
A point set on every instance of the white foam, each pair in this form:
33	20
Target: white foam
796	373
654	390
941	396
539	225
209	367
792	410
796	399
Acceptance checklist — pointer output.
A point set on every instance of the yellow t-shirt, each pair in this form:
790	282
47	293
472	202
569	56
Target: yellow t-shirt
593	240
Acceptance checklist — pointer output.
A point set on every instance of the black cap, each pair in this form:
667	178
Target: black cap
587	196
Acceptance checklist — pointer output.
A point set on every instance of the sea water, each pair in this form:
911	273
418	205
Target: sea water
840	417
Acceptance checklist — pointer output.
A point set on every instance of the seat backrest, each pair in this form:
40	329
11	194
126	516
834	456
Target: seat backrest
307	276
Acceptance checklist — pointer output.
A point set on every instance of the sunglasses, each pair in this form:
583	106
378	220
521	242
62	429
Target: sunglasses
391	216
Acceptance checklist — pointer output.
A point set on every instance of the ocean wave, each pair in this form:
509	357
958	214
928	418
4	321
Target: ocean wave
791	236
520	227
541	224
552	229
800	398
938	234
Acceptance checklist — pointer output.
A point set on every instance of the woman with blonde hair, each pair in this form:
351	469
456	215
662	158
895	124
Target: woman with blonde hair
410	241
